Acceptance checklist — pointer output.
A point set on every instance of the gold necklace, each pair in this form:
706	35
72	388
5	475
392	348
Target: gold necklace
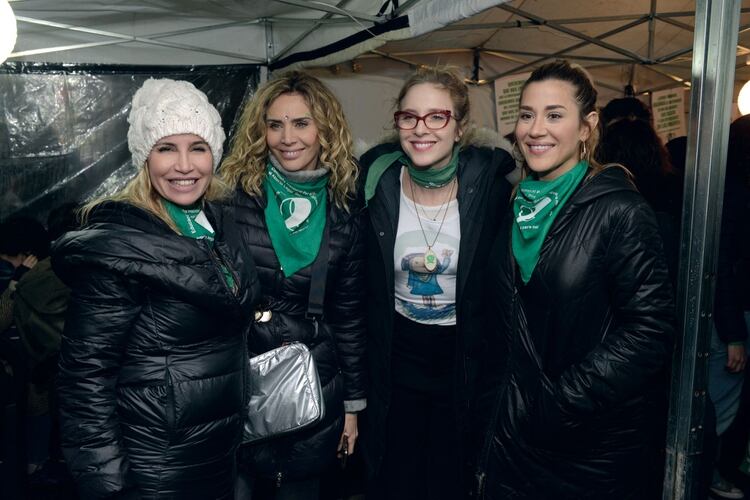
430	258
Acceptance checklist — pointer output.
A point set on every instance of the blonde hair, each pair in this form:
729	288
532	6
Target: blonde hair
245	165
447	78
141	193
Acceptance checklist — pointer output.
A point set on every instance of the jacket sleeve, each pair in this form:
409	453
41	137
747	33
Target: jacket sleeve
643	310
346	316
729	314
99	320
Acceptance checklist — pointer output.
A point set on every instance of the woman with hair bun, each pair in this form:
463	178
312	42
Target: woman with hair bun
584	298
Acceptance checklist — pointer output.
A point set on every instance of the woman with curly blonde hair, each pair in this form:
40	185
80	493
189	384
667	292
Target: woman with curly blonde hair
297	211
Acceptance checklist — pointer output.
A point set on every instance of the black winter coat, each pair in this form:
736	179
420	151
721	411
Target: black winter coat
337	345
590	333
483	199
151	380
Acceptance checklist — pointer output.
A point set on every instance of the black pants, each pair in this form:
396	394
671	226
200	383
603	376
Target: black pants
422	459
251	489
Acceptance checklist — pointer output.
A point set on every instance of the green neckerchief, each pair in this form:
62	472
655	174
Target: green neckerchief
427	178
535	208
192	222
295	216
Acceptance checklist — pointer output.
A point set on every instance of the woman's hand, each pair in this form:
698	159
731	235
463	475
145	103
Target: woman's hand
349	436
736	358
30	261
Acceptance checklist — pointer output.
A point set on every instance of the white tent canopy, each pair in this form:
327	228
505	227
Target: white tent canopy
644	42
364	48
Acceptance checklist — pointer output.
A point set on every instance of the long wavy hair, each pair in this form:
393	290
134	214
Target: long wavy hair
246	163
141	193
585	96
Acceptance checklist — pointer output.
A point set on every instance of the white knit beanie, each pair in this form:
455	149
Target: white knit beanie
169	107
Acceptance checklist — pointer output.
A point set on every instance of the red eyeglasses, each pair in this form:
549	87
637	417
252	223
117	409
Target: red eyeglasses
433	121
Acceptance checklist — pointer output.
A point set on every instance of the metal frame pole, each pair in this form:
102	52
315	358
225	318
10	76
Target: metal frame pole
714	49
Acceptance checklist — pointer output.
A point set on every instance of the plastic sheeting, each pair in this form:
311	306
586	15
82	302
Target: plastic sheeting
63	128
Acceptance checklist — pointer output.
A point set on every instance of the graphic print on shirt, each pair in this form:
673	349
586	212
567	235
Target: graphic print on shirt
424	296
421	281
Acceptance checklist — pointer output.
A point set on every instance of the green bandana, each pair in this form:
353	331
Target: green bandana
535	208
295	216
427	178
192	222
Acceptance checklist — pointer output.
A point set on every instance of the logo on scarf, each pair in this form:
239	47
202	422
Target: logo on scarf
295	211
526	214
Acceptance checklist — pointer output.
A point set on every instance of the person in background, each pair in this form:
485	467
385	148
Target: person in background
24	243
435	199
296	196
151	379
728	354
35	305
629	139
584	298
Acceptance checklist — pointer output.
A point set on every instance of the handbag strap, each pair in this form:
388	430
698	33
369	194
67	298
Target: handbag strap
316	300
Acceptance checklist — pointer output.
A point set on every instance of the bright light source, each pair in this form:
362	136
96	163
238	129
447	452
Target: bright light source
743	100
7	30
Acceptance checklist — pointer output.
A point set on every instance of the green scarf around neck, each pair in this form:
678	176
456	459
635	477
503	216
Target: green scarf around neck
429	178
295	216
535	207
192	222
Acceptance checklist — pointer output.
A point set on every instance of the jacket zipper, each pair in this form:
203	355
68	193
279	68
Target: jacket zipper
221	264
481	474
170	405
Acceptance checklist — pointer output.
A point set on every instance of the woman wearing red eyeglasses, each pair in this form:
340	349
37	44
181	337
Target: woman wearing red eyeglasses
435	200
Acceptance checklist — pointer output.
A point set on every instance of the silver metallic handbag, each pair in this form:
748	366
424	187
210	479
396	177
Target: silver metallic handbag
285	393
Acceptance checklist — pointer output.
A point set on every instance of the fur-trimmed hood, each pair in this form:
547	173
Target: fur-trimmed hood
479	137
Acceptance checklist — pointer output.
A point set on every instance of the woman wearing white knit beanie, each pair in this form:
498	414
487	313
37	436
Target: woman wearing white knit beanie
152	363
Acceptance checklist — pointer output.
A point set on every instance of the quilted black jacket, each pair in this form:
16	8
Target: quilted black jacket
337	345
151	381
588	337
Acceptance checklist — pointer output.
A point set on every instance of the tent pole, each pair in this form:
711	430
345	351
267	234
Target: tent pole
714	49
651	28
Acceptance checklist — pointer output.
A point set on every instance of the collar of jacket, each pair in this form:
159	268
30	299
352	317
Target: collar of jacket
613	178
132	216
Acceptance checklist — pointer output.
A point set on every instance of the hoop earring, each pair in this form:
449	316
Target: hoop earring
583	150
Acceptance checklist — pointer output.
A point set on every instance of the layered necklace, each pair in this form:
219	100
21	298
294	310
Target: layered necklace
430	258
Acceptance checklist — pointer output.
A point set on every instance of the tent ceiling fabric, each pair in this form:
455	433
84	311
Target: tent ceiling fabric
619	42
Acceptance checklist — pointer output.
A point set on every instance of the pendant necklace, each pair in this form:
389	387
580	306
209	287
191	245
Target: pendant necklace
430	258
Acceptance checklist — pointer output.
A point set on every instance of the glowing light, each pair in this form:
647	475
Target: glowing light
743	100
7	30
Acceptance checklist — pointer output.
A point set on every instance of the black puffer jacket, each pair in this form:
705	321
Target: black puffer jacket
589	335
151	381
337	346
483	198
